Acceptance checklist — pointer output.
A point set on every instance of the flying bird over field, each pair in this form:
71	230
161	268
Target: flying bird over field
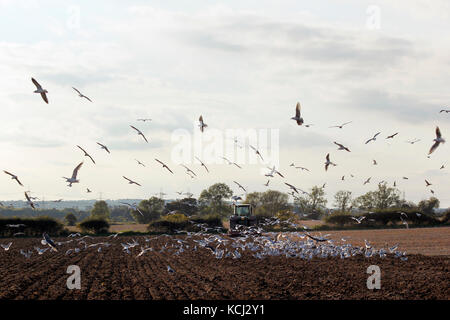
202	125
102	146
392	136
131	181
341	147
442	167
202	164
328	162
188	170
341	126
230	163
73	179
374	138
437	141
298	117
446	111
144	119
29	202
86	154
164	166
40	90
427	183
257	152
267	183
413	141
367	181
6	246
139	133
292	187
88	191
240	186
374	162
139	163
272	171
302	168
48	241
80	94
359	220
14	177
133	206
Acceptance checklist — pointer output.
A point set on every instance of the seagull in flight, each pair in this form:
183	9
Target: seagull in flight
73	179
202	125
188	170
374	162
427	183
272	171
40	90
328	162
164	165
6	246
131	181
342	125
14	177
29	202
139	133
80	94
302	168
240	186
298	117
48	241
267	183
133	206
359	220
341	147
86	154
392	136
446	111
374	138
292	187
88	190
140	163
144	119
442	167
102	146
367	181
230	163
257	152
413	141
437	142
202	164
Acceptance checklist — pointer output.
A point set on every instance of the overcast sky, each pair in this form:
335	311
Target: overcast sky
240	64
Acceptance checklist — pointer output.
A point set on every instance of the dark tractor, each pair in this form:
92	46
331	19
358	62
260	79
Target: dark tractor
243	216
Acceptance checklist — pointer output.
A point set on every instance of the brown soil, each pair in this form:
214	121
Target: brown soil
113	274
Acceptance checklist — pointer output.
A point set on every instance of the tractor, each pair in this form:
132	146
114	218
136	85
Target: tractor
242	216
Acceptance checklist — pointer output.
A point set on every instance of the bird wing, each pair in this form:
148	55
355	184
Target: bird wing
87	98
346	123
328	157
297	110
433	147
44	96
18	181
143	137
75	171
139	131
438	132
168	169
77	90
36	83
12	175
376	134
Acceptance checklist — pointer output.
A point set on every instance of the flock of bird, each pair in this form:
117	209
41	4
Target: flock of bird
295	191
252	242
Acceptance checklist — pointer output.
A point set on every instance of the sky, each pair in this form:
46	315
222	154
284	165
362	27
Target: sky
242	65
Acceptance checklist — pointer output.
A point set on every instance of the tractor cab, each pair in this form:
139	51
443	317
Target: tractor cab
242	215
